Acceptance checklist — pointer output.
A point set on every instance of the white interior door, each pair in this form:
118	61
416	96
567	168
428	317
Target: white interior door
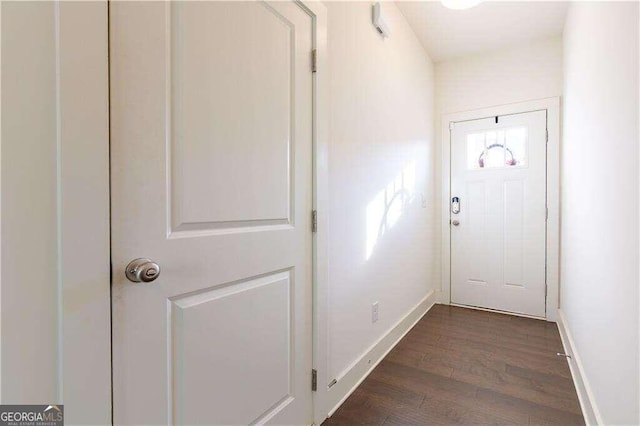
211	151
498	175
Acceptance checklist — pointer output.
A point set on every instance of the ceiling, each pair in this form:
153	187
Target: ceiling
447	33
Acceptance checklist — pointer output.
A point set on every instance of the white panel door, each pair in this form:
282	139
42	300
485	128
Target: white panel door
498	178
211	173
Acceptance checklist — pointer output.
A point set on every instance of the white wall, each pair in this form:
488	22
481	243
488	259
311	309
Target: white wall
599	263
381	123
54	270
516	74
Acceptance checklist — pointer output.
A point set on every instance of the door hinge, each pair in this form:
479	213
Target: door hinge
314	221
314	380
314	60
547	135
451	125
546	214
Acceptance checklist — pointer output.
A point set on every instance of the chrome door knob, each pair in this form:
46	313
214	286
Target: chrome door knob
455	222
142	270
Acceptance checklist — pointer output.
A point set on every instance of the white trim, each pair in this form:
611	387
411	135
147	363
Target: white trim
552	106
585	395
350	379
83	211
318	11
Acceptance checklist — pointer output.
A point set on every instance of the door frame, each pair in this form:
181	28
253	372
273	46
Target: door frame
320	177
552	108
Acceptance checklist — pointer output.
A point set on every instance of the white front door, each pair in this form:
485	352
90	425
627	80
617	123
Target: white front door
498	213
211	178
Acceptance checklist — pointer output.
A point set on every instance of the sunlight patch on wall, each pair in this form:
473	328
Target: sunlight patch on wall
388	205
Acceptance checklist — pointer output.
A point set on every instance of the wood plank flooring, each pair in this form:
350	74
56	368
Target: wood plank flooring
463	366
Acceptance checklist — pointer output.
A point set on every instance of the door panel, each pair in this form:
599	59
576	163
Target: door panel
231	80
498	171
211	159
198	318
514	262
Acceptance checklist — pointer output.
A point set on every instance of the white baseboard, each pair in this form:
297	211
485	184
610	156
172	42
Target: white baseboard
587	401
364	365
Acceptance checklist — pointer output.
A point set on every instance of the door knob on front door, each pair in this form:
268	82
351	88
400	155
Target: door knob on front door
142	270
455	222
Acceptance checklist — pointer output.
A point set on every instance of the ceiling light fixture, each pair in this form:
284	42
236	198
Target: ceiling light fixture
460	4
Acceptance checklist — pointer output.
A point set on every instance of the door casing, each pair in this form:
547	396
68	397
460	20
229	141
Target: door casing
552	108
320	191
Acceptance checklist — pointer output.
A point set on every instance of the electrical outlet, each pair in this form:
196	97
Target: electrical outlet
374	312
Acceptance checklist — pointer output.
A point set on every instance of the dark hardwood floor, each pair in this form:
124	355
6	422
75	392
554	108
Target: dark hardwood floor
463	366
